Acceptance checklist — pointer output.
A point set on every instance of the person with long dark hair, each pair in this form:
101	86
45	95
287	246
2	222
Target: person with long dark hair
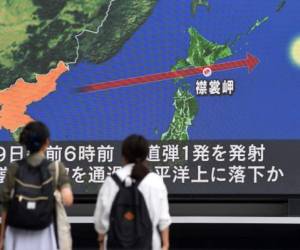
132	210
27	194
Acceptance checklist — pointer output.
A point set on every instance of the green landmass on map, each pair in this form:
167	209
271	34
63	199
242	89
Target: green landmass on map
257	24
199	3
280	5
251	29
37	34
186	108
201	52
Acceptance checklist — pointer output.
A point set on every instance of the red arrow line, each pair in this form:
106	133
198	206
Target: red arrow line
249	62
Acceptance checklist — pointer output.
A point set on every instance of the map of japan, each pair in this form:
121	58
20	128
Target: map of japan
51	49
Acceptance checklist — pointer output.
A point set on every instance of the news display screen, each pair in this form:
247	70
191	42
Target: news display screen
214	85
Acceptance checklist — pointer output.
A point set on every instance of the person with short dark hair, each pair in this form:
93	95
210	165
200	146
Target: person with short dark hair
120	224
27	193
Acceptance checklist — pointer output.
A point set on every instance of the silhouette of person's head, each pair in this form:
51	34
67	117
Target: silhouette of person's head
35	137
135	149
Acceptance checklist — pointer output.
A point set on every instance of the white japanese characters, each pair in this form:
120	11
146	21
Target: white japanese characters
178	164
205	87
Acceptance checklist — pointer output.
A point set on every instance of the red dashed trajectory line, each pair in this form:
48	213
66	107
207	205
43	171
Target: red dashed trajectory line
249	62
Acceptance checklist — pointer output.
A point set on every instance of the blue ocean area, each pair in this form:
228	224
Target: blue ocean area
264	105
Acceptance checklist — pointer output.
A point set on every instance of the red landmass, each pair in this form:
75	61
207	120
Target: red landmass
15	99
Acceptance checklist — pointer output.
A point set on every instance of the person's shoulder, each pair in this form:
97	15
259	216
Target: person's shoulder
119	171
12	169
154	176
108	187
53	166
154	180
108	182
13	166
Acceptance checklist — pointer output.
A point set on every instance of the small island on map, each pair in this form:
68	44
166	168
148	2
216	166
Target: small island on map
198	3
257	24
280	5
251	29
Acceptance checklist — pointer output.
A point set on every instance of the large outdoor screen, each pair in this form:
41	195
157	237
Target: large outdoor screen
213	84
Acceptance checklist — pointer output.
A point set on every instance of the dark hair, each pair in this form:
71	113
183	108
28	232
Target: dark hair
34	135
135	149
